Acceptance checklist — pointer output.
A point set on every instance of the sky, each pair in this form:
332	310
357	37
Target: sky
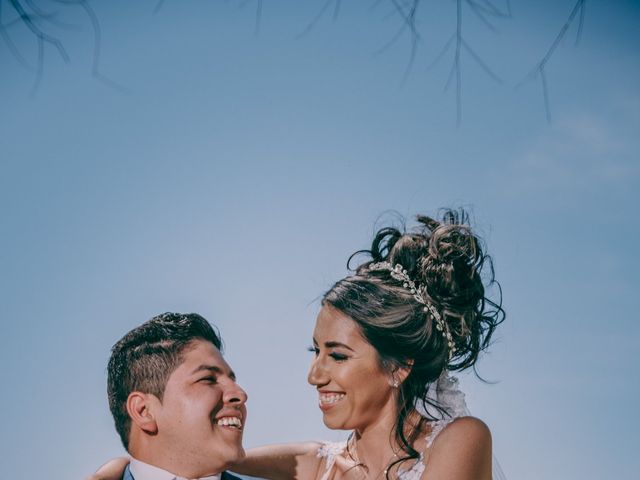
232	172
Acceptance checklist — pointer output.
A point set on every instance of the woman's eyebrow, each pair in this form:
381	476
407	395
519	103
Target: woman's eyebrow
334	344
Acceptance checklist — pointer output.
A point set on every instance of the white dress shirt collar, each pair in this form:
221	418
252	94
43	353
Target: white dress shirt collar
144	471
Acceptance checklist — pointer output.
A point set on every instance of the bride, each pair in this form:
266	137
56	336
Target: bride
384	341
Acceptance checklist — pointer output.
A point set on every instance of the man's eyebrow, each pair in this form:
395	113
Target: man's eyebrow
214	369
337	345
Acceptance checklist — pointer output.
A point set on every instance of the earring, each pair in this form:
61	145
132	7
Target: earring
396	383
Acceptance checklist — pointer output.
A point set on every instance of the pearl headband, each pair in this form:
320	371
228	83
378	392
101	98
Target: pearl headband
399	273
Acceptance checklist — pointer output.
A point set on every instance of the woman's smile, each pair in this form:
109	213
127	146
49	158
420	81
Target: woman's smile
328	400
353	389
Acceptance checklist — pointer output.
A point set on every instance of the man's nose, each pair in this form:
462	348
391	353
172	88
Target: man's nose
235	395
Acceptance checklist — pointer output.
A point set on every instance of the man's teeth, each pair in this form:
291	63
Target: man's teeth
230	422
331	397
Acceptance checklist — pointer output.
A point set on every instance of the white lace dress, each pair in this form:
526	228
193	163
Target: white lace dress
446	391
330	450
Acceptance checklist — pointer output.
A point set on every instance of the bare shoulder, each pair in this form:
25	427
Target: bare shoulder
465	429
461	451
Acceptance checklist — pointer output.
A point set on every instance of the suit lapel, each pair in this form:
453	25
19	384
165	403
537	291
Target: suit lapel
127	474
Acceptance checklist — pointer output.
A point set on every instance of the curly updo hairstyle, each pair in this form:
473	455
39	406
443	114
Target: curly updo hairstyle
445	258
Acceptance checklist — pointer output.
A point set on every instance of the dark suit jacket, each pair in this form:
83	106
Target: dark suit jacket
225	475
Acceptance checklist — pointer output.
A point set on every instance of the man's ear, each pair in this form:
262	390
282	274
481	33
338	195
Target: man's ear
142	408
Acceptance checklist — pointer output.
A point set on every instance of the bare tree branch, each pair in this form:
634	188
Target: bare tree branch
32	17
539	70
336	10
318	16
480	62
49	17
480	13
258	17
545	93
40	67
460	45
41	38
442	52
457	62
158	6
13	49
580	23
492	10
97	45
407	12
35	19
31	25
258	22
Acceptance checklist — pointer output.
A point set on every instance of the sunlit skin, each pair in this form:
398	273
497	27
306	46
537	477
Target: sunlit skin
347	367
181	433
355	393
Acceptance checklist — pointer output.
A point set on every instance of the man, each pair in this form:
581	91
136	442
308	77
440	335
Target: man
175	401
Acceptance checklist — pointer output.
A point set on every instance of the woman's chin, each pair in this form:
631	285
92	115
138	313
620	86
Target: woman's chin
333	423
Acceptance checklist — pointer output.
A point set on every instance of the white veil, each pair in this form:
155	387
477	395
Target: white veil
446	392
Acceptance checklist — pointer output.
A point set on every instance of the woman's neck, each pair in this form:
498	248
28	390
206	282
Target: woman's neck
376	446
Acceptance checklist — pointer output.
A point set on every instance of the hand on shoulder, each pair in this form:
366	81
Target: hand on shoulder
112	470
462	451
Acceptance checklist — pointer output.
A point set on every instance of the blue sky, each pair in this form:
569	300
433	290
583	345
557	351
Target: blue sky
239	172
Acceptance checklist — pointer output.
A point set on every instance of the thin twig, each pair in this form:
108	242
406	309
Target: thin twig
442	52
316	19
539	69
480	62
396	36
580	23
49	17
545	93
97	45
336	10
475	8
158	6
457	62
258	18
26	18
39	68
12	46
490	8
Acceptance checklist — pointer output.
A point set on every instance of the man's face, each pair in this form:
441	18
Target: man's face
202	413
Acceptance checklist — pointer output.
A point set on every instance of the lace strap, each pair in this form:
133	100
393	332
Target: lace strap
330	450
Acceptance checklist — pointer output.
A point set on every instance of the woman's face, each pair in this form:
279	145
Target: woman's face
354	392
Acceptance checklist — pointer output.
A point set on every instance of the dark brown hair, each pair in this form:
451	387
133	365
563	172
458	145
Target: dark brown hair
447	259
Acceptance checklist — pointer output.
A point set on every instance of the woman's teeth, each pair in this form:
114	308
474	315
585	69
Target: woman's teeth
230	422
329	398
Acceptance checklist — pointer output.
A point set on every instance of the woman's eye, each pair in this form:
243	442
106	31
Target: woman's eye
338	357
314	350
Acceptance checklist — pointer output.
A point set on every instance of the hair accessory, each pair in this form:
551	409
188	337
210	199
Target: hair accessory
399	273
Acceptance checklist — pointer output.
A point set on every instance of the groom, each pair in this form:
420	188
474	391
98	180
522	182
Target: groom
175	401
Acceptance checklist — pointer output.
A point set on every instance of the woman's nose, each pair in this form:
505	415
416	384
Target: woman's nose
317	373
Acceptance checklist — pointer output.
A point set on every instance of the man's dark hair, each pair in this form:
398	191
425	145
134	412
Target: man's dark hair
144	358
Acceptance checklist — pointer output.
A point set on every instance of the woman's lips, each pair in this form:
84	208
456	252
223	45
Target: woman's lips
328	400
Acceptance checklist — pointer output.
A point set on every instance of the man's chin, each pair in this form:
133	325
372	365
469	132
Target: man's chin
231	455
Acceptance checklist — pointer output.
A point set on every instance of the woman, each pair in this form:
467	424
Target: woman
384	341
